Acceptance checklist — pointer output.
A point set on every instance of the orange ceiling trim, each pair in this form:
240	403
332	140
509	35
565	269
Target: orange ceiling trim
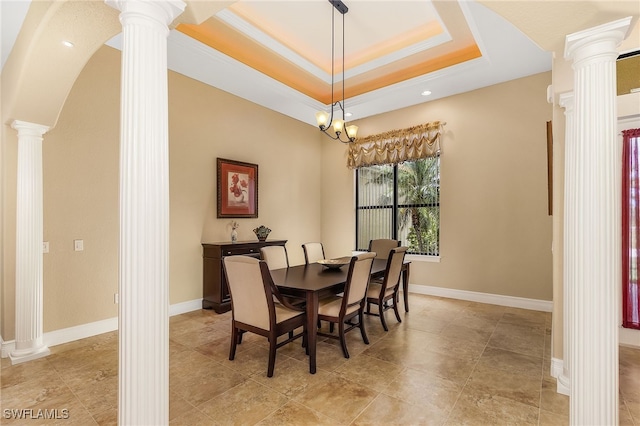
234	44
230	42
452	58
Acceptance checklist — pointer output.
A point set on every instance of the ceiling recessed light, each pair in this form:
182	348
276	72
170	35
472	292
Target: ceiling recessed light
67	43
347	114
426	93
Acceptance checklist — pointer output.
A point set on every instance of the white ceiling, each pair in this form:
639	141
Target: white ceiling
506	54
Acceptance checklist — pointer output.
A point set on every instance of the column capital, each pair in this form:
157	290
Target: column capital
602	39
164	11
26	128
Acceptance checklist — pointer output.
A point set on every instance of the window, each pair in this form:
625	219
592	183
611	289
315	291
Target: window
401	202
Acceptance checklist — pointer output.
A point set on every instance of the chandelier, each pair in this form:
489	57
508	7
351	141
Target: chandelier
324	119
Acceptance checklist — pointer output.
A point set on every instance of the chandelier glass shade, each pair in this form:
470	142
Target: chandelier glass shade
337	128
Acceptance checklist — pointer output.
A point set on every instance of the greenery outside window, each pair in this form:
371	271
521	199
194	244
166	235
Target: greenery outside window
401	202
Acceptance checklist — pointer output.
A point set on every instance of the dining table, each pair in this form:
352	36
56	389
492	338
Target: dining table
313	281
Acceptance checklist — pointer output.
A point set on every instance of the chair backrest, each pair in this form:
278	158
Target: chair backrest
312	252
250	297
382	247
395	259
355	288
275	256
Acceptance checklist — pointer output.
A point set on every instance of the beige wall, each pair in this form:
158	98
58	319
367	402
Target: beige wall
80	164
495	230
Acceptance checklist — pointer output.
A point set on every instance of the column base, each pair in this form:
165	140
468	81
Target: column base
563	385
23	355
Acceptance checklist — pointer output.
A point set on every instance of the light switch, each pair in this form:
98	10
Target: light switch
45	247
78	245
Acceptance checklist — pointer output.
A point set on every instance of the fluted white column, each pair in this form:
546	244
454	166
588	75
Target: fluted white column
29	342
570	248
143	394
594	220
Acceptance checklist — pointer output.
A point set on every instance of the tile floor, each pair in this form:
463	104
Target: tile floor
449	362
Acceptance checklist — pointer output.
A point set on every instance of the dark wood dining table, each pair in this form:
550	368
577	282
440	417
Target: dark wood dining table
310	282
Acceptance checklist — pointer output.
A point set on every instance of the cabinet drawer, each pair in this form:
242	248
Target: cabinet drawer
234	251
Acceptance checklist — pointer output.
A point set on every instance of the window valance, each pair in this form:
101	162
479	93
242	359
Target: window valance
396	146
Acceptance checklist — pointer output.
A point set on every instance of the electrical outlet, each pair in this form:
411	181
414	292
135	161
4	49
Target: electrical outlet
78	245
45	247
116	298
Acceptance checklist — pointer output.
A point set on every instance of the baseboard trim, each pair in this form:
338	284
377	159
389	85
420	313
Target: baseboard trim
6	346
184	307
629	337
493	299
66	335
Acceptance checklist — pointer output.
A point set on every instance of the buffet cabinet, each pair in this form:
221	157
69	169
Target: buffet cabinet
215	291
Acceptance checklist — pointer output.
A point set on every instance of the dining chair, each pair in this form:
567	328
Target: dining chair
275	256
313	252
387	292
344	310
382	246
253	308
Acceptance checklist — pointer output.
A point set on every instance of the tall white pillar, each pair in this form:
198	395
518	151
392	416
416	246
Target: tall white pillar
570	243
29	342
594	221
143	394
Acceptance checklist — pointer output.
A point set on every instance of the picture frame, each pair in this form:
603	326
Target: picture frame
237	189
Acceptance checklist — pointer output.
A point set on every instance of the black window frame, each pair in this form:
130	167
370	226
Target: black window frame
395	207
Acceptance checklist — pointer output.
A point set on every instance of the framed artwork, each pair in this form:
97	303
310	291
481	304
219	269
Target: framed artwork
237	189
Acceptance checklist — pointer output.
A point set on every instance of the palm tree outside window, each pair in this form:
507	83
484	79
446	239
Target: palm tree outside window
401	202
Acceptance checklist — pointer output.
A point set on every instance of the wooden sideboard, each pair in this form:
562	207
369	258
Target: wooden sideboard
215	292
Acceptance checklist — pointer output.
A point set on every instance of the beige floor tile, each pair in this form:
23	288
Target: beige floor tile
634	410
107	418
337	398
205	382
328	356
522	339
469	334
97	394
486	311
552	419
511	362
624	417
178	406
294	414
479	408
370	372
193	418
291	377
35	393
433	393
420	321
11	375
507	384
198	337
386	410
551	400
448	361
245	404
